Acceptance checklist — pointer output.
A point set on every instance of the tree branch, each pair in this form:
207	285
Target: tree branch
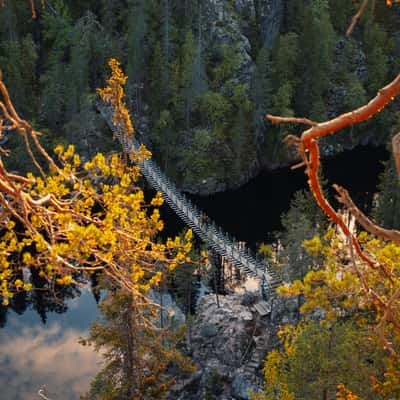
308	149
375	105
277	120
345	199
396	152
356	17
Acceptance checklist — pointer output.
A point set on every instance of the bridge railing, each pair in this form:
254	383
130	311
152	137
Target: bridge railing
207	230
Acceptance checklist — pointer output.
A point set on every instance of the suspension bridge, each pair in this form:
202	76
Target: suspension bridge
221	242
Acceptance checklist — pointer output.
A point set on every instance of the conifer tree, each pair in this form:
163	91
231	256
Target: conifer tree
315	61
387	212
136	60
18	58
140	361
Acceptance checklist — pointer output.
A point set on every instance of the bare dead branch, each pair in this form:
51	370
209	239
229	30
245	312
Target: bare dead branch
396	152
299	165
292	140
278	120
345	199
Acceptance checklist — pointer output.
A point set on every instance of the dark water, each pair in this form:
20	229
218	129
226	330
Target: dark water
33	353
253	212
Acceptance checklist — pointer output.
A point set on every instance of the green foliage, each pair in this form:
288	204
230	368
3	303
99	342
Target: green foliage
199	165
217	110
315	61
174	66
315	360
137	358
18	60
229	60
387	211
75	64
375	44
282	100
136	32
262	81
341	11
302	222
286	53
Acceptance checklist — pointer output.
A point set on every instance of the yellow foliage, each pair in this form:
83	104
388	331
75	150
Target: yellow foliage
313	246
113	94
348	287
345	394
86	218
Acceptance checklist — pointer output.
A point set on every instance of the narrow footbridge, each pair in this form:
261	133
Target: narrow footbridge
221	242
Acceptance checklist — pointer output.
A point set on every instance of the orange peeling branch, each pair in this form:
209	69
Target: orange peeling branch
313	163
277	120
384	96
356	17
307	146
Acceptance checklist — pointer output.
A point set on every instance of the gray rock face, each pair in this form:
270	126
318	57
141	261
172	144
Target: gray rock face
241	387
285	311
171	314
222	27
228	327
272	14
228	345
226	23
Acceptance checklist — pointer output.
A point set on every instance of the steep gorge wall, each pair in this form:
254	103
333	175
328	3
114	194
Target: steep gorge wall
202	76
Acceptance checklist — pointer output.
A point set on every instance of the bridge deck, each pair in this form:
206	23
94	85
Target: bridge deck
214	236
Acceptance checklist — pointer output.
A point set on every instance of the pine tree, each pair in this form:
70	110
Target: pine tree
375	42
137	357
18	60
58	34
316	360
136	60
387	212
315	61
302	222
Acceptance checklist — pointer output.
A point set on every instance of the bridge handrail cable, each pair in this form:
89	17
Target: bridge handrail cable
192	216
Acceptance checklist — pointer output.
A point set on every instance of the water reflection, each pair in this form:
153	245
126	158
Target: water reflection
40	299
33	354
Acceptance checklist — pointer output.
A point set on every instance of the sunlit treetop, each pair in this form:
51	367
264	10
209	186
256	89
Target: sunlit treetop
80	218
345	287
113	94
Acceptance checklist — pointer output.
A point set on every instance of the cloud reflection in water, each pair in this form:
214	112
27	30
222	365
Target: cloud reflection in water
33	355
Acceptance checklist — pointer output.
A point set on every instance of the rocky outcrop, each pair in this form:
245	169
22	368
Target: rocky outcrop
222	27
272	13
230	24
169	314
228	341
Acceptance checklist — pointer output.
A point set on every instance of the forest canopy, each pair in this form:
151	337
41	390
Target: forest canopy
78	216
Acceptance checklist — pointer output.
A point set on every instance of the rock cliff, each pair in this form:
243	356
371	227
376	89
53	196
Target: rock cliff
228	342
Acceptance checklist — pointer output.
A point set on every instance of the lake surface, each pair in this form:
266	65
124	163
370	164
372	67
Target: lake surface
253	212
33	354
